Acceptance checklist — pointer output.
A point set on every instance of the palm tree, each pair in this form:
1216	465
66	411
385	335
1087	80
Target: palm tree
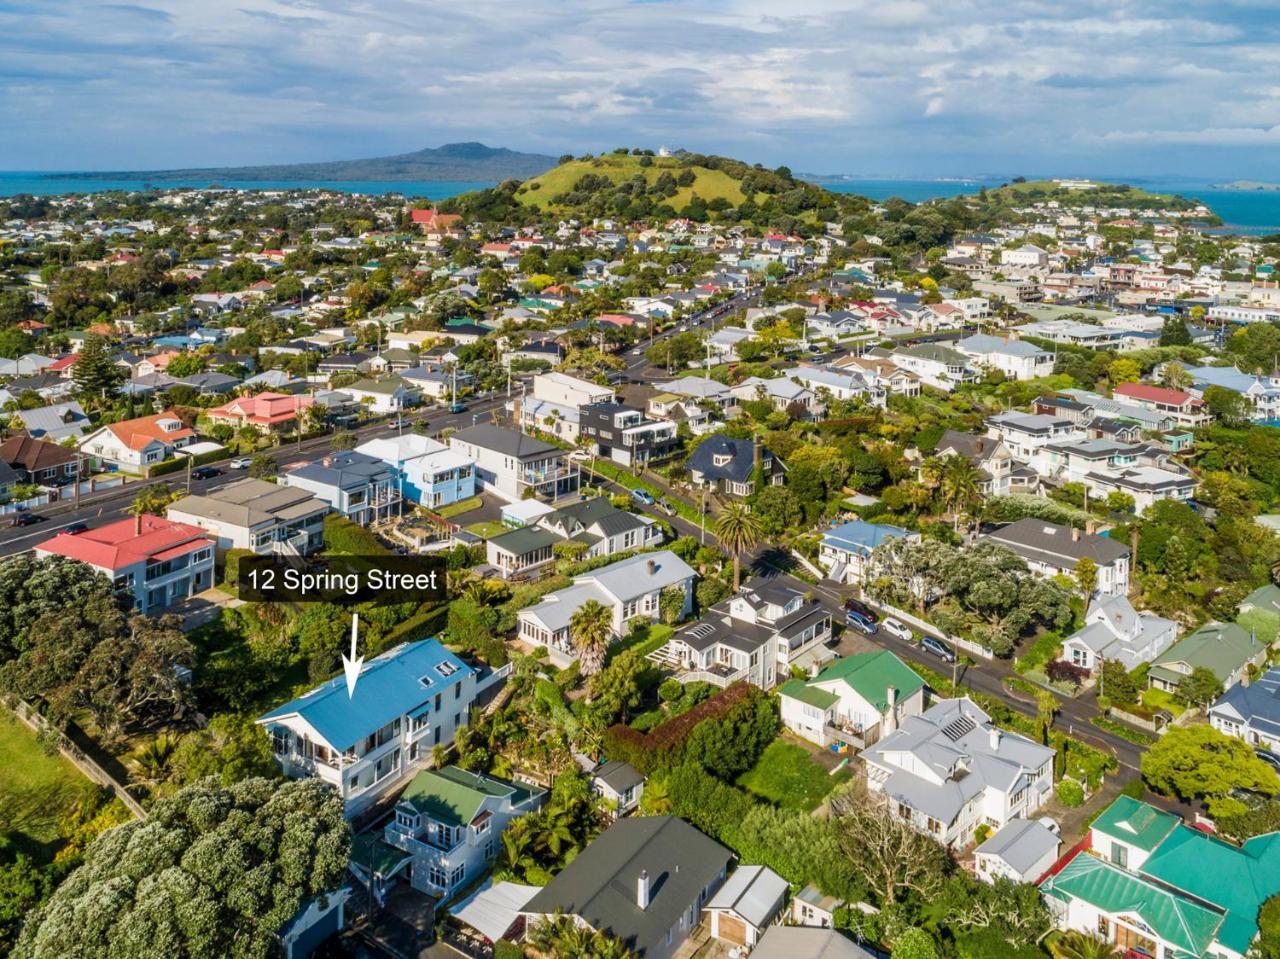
516	854
656	799
1083	945
153	760
591	628
961	485
738	531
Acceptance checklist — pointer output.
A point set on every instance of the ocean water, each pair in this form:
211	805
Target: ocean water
1244	211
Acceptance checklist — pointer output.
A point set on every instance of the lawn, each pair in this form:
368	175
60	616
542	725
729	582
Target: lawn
786	776
1154	699
708	184
487	529
38	788
460	507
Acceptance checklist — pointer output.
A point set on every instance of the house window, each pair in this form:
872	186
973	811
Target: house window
438	877
1120	855
482	827
490	848
456	877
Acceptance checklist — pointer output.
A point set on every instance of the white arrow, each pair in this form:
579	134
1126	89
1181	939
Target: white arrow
352	666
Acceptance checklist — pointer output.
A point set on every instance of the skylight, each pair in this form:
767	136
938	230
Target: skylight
958	728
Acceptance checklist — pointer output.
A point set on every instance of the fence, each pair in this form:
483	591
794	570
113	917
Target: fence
77	757
925	626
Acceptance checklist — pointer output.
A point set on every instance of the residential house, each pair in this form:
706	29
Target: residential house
939	366
756	635
1115	631
41	462
138	443
269	412
1016	359
1251	711
748	903
1051	549
57	422
1146	485
679	409
951	769
781	393
700	390
854	702
799	942
727	466
1223	648
1022	850
1261	391
1184	408
839	383
644	881
813	907
406	701
600	527
446	831
844	549
507	463
428	472
630	588
625	434
1025	435
619	783
360	487
154	561
1154	886
256	515
387	394
554	403
990	457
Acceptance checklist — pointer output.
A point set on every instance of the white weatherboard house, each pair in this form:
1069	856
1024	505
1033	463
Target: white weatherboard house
855	701
950	769
1115	631
1051	549
629	588
1022	850
512	465
406	701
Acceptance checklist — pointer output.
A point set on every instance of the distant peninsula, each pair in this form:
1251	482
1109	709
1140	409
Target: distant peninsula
472	162
1261	185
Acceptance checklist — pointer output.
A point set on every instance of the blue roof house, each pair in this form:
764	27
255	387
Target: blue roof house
407	700
1251	712
844	549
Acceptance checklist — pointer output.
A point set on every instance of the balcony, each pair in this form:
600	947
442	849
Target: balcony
858	737
717	674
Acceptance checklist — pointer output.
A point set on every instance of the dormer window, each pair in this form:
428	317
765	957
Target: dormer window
721	459
170	426
425	681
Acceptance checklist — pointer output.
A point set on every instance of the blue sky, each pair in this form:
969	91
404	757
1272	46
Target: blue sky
917	87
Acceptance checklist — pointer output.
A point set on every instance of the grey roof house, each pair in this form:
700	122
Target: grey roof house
1115	631
361	487
1051	549
803	942
747	904
643	880
55	422
1022	850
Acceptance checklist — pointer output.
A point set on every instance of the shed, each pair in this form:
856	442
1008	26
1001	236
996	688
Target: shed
747	903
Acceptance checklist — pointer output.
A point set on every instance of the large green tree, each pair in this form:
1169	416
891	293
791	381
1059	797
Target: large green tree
213	871
1198	762
94	374
591	629
738	530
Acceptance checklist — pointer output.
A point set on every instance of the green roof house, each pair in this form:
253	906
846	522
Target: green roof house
1225	648
447	828
854	701
1151	884
1265	599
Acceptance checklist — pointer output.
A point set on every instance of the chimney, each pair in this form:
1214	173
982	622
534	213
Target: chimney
891	715
1133	562
653	567
327	461
1075	534
755	452
137	525
642	889
995	738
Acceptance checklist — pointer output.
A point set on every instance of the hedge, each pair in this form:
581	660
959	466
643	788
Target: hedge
231	569
341	535
179	463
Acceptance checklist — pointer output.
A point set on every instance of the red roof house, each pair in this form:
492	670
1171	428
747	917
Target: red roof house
270	411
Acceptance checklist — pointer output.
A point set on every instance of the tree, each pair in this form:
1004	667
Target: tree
1228	406
261	465
1198	762
778	511
619	687
1083	945
960	485
94	374
1175	332
213	871
890	855
1086	575
738	531
342	441
1268	944
1201	688
31	589
914	943
152	500
591	629
671	604
1124	370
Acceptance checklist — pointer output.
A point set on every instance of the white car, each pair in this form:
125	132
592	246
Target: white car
897	628
579	456
240	463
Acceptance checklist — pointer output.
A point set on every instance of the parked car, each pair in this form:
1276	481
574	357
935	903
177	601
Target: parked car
858	622
862	609
666	507
1270	758
643	497
240	463
457	407
205	472
72	528
26	519
898	629
938	648
579	456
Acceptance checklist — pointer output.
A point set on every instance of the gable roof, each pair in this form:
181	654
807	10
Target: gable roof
861	536
600	885
1021	843
752	892
806	942
456	796
1221	647
127	542
1044	542
138	434
871	675
1257	703
505	441
390	685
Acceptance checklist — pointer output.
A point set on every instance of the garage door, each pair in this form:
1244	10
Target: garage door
733	929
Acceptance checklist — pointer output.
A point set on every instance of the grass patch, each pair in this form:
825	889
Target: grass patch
1039	653
786	776
708	184
1123	731
487	529
1156	699
460	507
643	641
38	789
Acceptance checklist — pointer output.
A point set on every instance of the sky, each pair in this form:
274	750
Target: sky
863	87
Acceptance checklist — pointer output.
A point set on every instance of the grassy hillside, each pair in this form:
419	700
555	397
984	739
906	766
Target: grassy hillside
1105	194
549	190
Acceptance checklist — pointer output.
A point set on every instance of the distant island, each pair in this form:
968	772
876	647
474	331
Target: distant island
1247	185
472	162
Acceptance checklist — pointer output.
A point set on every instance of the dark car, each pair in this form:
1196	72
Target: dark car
458	408
72	528
859	622
205	472
938	648
26	519
862	609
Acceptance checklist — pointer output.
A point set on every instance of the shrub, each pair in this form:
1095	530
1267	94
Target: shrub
981	833
1061	671
1070	794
